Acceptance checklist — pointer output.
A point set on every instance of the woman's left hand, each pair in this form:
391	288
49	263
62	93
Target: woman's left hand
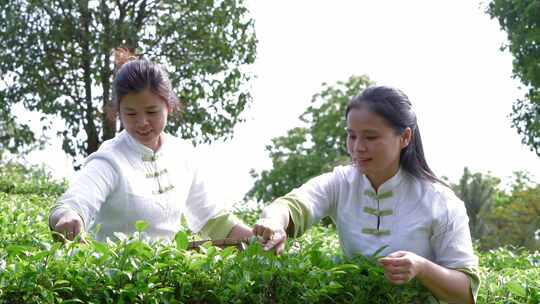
402	266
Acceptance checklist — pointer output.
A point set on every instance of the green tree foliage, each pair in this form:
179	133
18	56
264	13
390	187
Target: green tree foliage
14	136
477	192
56	59
521	181
521	21
514	219
309	151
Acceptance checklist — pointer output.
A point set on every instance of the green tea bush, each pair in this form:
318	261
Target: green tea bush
33	269
510	275
17	178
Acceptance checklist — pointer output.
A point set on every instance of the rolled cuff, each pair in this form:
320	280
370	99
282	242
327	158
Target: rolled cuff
474	277
220	226
298	212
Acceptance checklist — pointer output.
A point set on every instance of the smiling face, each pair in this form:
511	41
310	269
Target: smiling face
144	116
374	145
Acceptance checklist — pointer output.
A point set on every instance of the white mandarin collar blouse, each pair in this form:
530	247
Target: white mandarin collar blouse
125	181
404	214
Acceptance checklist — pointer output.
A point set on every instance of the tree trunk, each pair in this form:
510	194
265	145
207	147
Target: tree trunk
109	113
108	116
92	143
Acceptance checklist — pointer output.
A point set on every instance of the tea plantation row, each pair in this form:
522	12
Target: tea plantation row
34	269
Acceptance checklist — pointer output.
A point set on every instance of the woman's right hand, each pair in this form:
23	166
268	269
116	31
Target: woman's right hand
273	234
69	225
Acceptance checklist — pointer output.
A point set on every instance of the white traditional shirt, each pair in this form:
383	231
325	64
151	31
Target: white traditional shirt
404	214
124	182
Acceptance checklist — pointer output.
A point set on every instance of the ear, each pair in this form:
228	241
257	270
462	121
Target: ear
406	137
169	108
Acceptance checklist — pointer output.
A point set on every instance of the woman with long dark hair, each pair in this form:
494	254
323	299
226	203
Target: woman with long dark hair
389	197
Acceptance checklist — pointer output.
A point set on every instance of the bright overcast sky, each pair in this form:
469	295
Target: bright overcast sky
443	54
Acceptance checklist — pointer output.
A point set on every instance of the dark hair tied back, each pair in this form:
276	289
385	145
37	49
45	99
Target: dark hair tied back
122	55
135	74
395	107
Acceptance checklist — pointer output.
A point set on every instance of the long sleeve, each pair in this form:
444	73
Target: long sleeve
312	201
300	215
88	191
220	226
201	206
